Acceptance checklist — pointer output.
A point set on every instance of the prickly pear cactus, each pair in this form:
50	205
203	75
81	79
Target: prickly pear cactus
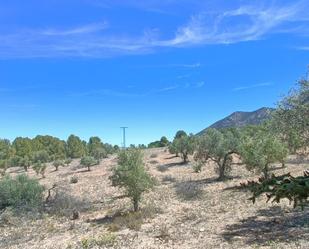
295	189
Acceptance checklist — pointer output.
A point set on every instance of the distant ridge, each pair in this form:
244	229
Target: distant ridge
240	119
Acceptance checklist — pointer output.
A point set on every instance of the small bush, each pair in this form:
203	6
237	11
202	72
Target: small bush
168	179
131	220
3	167
188	190
57	164
108	239
153	162
7	217
153	155
68	161
21	192
103	241
164	234
74	179
197	167
64	204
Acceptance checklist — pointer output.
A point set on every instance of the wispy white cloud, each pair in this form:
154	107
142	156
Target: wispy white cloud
175	65
166	89
106	92
199	84
303	48
194	85
135	94
265	84
183	76
20	89
245	23
90	28
18	108
238	24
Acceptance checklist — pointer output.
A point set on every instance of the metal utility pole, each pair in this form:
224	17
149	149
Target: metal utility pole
124	136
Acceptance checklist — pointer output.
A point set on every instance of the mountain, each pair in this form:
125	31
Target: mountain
240	119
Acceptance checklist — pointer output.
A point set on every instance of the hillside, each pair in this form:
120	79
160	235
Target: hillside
185	210
240	119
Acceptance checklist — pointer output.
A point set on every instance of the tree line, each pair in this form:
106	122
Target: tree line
25	152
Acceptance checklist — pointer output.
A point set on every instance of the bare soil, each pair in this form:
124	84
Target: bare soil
185	210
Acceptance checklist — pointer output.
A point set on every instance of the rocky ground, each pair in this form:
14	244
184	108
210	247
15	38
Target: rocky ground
185	210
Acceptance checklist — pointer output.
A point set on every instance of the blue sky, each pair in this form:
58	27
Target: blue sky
90	66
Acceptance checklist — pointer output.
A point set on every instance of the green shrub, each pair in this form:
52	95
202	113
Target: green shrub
68	161
103	241
74	179
197	167
21	192
154	155
62	203
3	166
131	220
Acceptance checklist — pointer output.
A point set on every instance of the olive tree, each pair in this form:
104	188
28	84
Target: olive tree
25	162
75	147
22	146
39	168
218	147
88	161
52	145
180	134
185	146
131	175
40	156
291	118
172	149
99	153
18	161
94	146
57	164
262	150
6	150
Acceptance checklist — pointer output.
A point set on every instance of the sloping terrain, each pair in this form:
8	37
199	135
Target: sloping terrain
185	210
240	119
